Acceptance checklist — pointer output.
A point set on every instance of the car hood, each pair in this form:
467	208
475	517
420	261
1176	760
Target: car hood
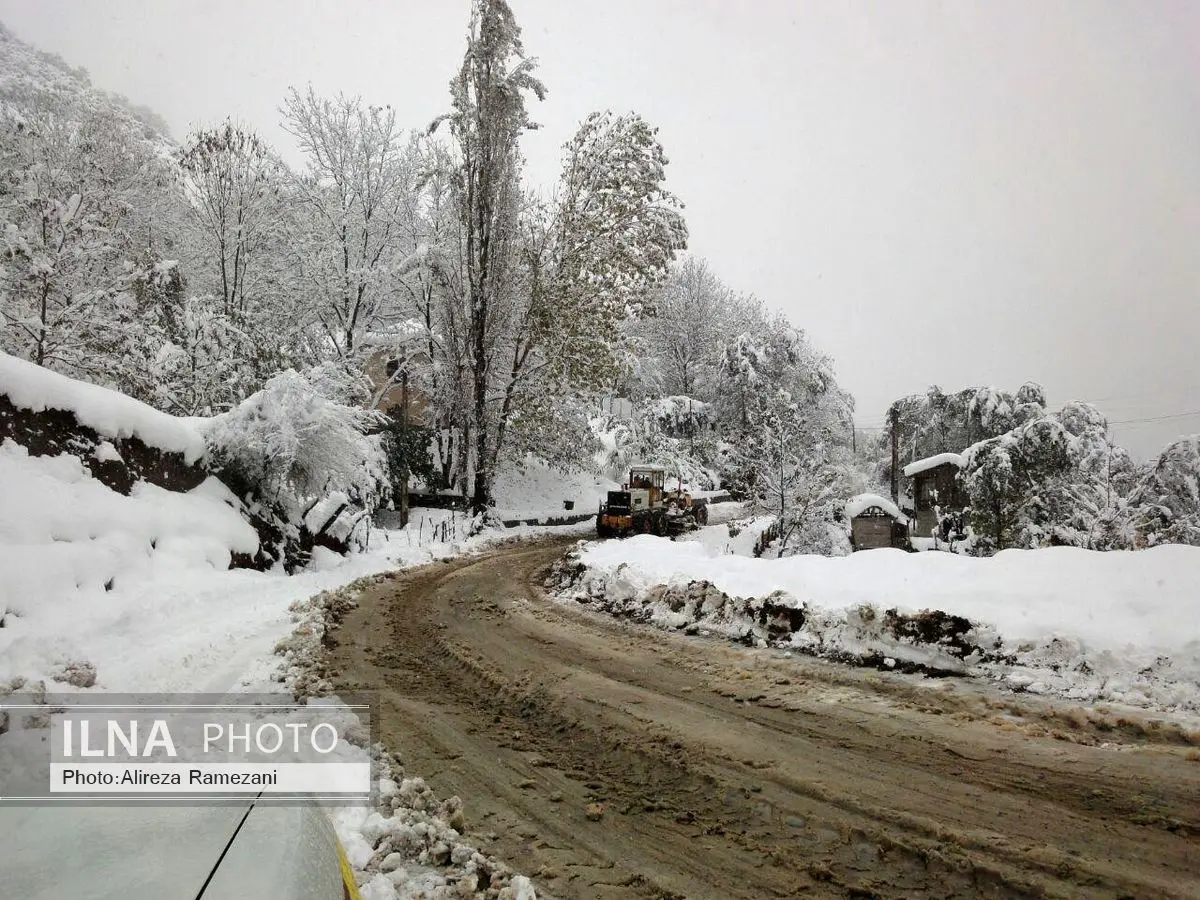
112	853
281	852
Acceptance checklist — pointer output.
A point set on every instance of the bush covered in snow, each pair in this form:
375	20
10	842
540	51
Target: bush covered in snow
303	462
680	416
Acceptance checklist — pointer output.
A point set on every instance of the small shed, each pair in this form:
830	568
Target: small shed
935	488
876	522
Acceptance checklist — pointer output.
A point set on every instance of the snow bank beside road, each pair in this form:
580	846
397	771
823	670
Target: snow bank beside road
136	589
1087	625
1109	600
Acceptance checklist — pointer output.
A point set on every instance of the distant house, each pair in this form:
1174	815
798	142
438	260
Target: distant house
393	348
935	488
876	522
383	371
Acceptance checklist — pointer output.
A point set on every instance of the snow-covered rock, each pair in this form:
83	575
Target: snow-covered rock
110	413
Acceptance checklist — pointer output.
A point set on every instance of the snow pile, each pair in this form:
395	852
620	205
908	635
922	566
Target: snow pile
738	537
111	414
87	573
172	621
1123	627
69	545
410	849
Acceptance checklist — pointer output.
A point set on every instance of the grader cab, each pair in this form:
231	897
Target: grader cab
645	506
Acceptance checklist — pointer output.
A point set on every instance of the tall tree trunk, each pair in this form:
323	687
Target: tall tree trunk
482	488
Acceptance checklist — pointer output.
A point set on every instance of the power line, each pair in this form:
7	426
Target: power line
1156	392
1137	421
1182	415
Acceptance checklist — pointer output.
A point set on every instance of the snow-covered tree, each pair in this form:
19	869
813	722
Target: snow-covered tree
293	446
487	118
198	351
610	237
1006	478
938	422
544	285
1054	480
800	474
431	291
76	197
351	202
234	184
776	356
591	258
694	314
1164	506
1094	490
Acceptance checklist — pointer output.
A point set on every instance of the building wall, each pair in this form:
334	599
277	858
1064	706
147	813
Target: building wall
941	481
871	532
419	410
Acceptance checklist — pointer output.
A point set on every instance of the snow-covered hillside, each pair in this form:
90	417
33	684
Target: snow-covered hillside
24	68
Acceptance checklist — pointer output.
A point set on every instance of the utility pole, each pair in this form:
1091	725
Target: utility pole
404	448
895	454
691	433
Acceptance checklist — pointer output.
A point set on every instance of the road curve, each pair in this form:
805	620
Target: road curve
611	760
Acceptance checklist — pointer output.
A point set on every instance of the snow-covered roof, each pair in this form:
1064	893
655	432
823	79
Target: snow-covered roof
112	414
649	468
858	505
932	462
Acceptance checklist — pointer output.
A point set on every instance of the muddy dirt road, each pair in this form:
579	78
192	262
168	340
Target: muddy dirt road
610	760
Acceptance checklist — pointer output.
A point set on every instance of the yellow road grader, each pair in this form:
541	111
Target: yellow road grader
644	506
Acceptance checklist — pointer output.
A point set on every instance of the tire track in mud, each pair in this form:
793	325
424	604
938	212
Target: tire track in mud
612	760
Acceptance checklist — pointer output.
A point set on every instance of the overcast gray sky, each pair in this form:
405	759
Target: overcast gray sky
938	192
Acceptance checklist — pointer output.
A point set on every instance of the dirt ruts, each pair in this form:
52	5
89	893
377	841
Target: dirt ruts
606	759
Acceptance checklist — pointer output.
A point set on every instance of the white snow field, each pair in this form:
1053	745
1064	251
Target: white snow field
1120	627
538	491
105	592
